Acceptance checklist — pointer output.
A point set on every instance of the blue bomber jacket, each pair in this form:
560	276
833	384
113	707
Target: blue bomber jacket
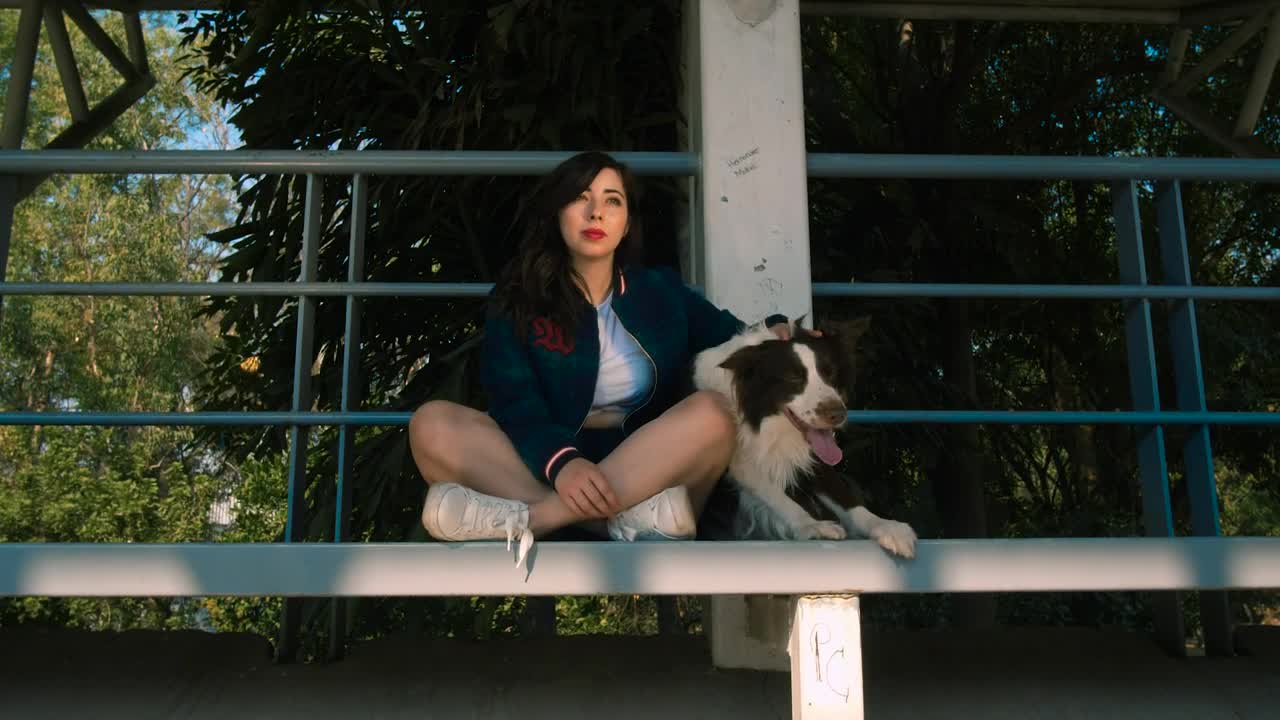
540	389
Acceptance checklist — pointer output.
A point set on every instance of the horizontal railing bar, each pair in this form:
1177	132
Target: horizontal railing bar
594	568
997	12
1045	292
325	162
205	418
1061	417
861	417
1038	167
251	289
477	162
474	290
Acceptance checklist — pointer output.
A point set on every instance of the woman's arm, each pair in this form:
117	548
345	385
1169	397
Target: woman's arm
516	402
709	325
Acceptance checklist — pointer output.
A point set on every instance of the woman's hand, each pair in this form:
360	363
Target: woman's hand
783	331
586	491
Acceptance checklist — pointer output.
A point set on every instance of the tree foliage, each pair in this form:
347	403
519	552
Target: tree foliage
990	88
109	484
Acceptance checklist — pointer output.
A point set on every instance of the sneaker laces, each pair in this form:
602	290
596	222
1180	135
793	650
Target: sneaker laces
510	516
517	526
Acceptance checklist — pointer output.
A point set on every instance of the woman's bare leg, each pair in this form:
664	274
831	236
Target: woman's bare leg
689	445
452	443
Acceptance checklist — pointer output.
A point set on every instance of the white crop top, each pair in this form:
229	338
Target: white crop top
626	372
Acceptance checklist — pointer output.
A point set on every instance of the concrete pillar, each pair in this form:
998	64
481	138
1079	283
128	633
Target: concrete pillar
826	658
749	128
749	239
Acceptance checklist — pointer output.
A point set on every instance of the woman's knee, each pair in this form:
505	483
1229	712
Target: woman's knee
714	418
433	430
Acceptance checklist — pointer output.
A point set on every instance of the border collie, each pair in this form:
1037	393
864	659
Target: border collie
789	400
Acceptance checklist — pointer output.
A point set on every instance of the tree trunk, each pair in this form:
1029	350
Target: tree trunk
957	481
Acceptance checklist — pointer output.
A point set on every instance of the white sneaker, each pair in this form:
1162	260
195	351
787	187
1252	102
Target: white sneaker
665	516
453	512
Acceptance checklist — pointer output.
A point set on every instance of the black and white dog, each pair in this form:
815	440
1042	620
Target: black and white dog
789	397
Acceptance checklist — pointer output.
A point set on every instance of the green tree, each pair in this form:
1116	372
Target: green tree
105	484
1028	89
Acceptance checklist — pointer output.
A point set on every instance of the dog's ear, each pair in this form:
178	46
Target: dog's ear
848	332
743	360
856	328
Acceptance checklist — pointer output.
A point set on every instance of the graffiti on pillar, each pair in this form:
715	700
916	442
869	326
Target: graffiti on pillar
831	666
745	163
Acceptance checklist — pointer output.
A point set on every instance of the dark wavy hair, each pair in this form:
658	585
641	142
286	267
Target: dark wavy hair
540	281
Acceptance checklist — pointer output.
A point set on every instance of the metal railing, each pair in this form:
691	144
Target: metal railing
1134	290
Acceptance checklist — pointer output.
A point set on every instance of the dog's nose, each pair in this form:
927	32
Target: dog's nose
832	411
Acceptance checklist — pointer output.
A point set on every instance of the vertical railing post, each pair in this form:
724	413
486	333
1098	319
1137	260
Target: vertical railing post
1145	392
295	522
351	399
1197	453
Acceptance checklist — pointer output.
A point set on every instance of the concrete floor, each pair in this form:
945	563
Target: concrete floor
1013	673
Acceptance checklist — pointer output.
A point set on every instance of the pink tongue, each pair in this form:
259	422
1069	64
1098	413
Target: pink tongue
824	445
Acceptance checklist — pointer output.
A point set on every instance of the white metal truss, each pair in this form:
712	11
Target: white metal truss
86	121
1174	90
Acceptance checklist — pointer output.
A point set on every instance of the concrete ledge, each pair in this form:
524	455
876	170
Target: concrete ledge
1259	641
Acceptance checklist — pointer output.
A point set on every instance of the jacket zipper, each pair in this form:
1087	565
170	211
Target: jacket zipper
652	389
594	380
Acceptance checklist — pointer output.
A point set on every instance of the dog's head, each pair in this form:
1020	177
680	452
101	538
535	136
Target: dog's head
805	379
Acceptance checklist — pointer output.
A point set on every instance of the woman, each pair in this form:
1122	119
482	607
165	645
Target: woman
585	361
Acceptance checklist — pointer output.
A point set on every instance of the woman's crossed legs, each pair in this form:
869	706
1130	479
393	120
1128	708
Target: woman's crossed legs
689	445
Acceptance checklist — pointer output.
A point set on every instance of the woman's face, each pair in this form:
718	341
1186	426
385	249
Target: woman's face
595	222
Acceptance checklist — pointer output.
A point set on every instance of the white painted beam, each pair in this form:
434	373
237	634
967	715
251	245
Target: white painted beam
995	12
689	568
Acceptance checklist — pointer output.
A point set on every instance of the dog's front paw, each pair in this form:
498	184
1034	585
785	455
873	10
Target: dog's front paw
896	537
821	530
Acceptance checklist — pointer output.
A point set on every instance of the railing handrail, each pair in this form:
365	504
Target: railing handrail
592	568
482	162
1021	291
324	162
319	418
